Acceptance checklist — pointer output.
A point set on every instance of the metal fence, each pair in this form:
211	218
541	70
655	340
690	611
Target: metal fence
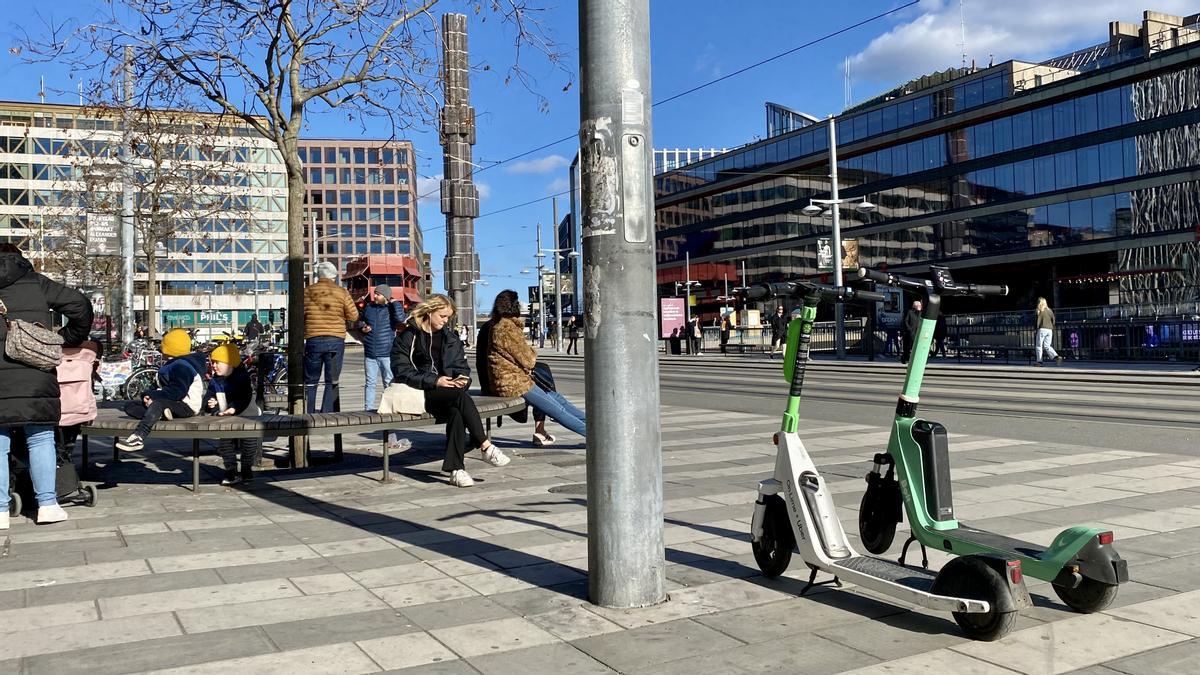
1003	337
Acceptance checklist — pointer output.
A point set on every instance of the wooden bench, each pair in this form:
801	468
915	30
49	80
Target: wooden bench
113	424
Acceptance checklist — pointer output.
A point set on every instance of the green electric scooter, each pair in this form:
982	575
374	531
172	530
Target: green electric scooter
795	513
1080	563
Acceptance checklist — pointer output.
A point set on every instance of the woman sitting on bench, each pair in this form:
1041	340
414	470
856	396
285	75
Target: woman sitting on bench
428	355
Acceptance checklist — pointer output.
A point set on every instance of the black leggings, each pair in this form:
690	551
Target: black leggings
457	409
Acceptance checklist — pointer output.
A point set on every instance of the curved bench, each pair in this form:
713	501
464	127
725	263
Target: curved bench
112	423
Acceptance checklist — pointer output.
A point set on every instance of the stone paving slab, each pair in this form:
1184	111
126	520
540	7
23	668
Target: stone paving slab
331	571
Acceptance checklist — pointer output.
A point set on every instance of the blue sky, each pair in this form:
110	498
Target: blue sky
692	42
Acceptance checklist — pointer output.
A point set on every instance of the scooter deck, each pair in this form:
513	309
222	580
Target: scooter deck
996	541
915	578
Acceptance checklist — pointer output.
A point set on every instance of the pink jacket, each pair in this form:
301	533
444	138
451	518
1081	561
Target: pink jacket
75	385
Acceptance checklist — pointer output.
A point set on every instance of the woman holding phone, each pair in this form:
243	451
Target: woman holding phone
428	355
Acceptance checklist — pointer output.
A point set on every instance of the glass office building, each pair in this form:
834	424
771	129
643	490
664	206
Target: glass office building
1077	179
227	253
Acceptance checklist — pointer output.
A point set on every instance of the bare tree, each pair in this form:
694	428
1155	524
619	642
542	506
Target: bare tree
271	62
180	179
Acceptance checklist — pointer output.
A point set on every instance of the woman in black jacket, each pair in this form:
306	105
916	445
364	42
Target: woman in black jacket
428	355
29	398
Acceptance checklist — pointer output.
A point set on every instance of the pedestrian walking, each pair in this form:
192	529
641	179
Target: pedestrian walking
378	322
428	355
573	336
912	323
29	396
1045	334
511	371
695	336
253	328
327	309
779	326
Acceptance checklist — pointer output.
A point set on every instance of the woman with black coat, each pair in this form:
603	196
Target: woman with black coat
29	397
429	355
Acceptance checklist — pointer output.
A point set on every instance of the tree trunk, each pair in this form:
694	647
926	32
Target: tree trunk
296	279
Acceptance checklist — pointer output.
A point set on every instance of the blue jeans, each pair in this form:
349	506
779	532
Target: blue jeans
322	352
377	366
558	408
43	467
1042	344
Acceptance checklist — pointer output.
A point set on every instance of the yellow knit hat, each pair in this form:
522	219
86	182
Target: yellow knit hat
226	353
176	342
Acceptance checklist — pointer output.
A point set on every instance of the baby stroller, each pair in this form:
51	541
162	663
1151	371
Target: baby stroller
66	479
78	406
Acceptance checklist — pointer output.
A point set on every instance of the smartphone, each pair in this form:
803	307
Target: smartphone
462	378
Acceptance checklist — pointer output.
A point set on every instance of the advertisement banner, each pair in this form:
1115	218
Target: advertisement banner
103	234
825	255
672	315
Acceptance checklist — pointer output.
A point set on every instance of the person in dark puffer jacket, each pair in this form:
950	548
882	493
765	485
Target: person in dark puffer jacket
378	321
29	397
180	393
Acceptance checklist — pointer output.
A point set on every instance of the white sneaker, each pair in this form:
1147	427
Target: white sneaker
494	457
52	513
541	440
4	520
460	478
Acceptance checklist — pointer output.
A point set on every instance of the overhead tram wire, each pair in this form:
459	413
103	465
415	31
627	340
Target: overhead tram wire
1015	72
697	88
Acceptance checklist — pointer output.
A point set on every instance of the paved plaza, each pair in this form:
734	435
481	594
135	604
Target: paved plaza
330	571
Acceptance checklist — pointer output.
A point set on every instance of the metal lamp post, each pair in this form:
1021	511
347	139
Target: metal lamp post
558	258
831	206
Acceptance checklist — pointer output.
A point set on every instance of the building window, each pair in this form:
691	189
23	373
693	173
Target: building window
360	156
343	155
388	156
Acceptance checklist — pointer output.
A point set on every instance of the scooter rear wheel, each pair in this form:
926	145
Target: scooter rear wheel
876	530
773	551
1089	596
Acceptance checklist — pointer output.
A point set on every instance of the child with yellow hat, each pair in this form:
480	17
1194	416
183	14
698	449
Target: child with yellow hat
180	391
230	393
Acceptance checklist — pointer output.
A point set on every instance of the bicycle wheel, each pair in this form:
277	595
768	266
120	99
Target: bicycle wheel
140	381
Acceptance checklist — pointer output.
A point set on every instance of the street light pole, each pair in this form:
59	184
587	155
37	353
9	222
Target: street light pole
558	346
839	316
541	341
626	561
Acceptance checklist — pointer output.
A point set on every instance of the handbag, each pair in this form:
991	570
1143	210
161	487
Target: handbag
31	343
542	376
401	398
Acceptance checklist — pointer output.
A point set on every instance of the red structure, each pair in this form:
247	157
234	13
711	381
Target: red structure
401	272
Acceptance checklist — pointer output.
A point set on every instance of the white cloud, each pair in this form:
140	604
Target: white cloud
557	185
540	165
1028	30
428	189
707	62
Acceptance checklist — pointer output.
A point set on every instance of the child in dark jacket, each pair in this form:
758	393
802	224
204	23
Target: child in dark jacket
180	392
230	393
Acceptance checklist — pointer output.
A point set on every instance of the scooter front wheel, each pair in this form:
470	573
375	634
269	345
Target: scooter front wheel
969	577
1088	597
773	551
876	529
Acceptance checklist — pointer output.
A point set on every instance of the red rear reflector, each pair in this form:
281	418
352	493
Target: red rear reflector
1014	571
775	438
1106	538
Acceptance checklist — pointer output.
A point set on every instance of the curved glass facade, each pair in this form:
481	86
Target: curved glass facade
1099	172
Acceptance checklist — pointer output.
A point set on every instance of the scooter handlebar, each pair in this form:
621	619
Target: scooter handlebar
801	288
889	279
986	289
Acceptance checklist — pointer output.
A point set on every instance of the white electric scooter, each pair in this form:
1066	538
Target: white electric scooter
795	511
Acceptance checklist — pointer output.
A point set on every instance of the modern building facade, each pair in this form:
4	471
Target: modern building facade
360	199
226	256
1077	179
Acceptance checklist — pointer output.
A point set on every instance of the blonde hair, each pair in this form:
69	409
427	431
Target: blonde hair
434	303
1041	304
